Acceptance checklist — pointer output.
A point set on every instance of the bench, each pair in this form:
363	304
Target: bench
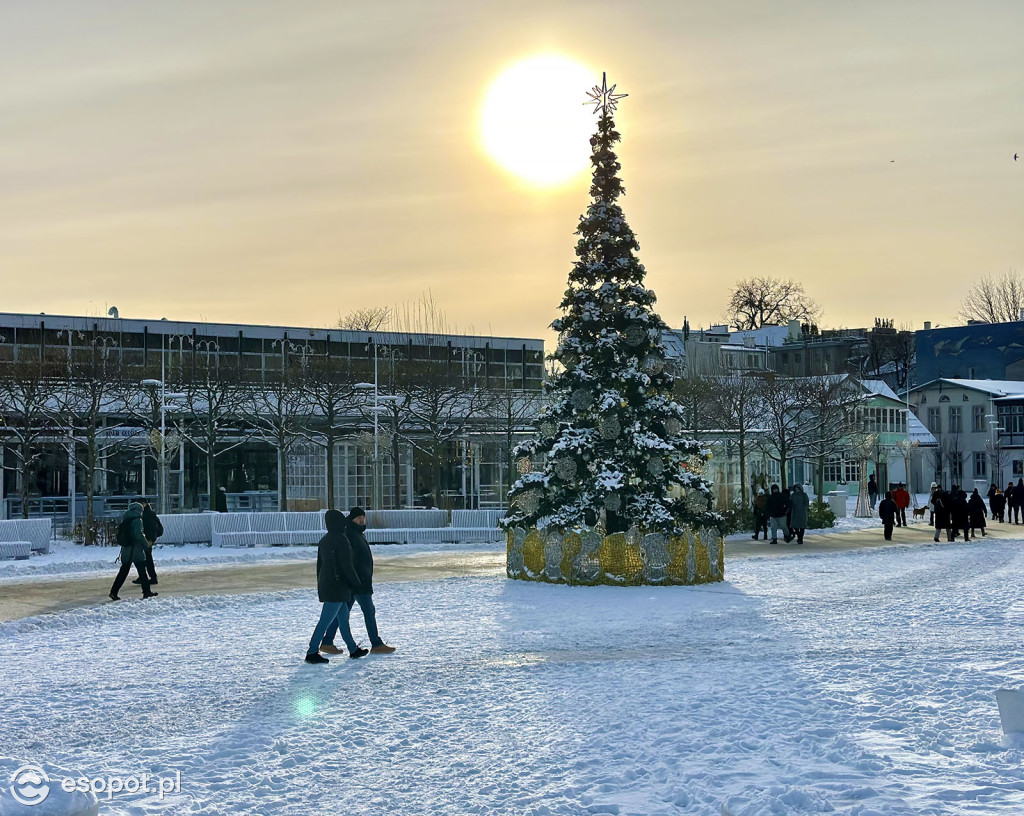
37	532
18	550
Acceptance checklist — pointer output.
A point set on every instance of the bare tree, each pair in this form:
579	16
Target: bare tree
955	457
328	386
369	318
30	415
697	397
510	414
277	411
763	301
734	403
212	418
890	355
994	299
783	420
998	458
95	392
830	403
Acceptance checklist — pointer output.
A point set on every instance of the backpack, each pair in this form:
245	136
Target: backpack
124	533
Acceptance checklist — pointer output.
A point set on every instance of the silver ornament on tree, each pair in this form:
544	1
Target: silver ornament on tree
528	501
673	426
655	466
582	398
696	501
565	469
548	428
653	364
634	335
613	502
609	428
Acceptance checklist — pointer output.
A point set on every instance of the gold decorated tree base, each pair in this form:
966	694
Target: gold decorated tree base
591	557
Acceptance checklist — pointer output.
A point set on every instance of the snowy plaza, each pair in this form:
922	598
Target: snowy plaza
858	682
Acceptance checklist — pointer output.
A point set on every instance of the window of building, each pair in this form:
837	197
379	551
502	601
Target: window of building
935	420
979	465
944	398
978	418
1018	467
956	420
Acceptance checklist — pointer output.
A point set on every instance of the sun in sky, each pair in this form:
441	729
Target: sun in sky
533	122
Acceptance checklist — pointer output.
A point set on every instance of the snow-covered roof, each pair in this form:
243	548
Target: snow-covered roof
997	388
918	432
764	336
880	388
673	341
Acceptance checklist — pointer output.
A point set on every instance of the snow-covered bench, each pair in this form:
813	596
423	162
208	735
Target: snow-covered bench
19	550
35	531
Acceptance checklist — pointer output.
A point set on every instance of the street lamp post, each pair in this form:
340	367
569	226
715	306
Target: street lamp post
377	410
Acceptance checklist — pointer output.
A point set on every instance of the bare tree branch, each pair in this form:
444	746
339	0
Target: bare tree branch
763	301
994	299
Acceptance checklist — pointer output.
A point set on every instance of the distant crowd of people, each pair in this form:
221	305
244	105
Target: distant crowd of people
952	511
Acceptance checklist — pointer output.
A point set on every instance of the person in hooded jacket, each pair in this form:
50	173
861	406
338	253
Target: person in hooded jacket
887	513
335	581
1018	500
943	507
998	505
778	509
959	516
760	514
362	560
799	504
976	512
133	551
1010	501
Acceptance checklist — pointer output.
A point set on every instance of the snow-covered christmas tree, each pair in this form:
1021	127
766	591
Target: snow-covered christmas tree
609	448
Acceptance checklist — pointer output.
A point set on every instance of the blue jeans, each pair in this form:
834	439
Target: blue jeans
369	617
333	616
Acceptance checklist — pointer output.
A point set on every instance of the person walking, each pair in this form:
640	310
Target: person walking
1010	500
902	499
760	514
335	580
887	513
931	502
1018	502
998	505
778	507
976	512
992	489
959	515
362	560
942	508
799	503
133	551
152	529
872	490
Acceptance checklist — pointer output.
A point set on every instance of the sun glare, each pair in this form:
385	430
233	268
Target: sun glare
533	121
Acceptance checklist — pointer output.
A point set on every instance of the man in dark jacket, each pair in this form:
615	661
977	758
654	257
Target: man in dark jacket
998	505
872	490
335	581
133	551
943	513
1010	500
959	515
778	508
976	512
362	560
152	529
887	513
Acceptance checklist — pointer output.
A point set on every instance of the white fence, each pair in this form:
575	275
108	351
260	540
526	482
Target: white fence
37	532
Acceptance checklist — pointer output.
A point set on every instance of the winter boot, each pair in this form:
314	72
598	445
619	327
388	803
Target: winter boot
382	648
359	653
330	648
149	595
316	657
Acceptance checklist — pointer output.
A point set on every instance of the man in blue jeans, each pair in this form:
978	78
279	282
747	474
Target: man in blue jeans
335	580
362	560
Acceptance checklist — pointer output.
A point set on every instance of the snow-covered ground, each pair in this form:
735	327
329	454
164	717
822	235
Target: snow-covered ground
858	683
67	558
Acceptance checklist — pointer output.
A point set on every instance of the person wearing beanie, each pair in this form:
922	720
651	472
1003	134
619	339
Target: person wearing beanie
887	513
362	560
335	581
133	551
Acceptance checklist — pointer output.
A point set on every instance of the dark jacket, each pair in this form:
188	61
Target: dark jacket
1008	495
362	558
134	550
778	504
336	577
943	509
998	503
151	526
872	486
976	510
799	503
887	511
960	516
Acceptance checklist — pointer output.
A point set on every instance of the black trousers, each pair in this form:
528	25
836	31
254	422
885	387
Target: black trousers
887	527
150	568
122	573
901	516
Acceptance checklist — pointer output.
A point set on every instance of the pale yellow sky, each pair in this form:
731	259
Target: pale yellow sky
286	162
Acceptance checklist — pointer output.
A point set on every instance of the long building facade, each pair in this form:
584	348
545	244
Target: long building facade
411	418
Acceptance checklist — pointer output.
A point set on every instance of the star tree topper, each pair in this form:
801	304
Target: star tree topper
604	98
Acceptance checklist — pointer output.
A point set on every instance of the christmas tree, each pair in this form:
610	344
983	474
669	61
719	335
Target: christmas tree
610	438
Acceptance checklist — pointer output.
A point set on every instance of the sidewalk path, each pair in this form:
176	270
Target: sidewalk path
35	597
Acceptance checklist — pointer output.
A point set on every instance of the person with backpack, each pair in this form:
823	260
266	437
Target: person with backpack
152	529
133	551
